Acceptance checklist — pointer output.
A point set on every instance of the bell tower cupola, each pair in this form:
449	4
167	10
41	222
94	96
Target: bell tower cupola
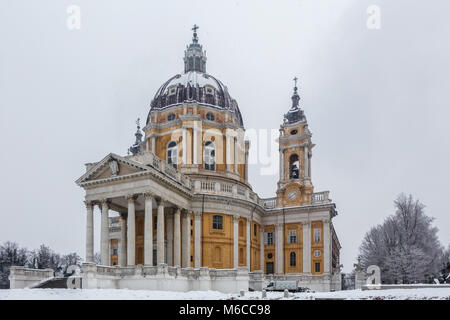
295	146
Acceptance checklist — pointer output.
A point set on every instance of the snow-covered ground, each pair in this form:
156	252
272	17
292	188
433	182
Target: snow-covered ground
124	294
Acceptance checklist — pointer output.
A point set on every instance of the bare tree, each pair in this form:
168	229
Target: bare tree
405	246
11	255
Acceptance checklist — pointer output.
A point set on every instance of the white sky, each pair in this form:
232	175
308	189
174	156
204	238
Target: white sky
376	100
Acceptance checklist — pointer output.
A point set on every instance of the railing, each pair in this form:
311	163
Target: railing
149	270
224	187
28	272
208	186
320	197
149	158
270	203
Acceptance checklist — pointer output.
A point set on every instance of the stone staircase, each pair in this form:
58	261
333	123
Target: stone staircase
53	283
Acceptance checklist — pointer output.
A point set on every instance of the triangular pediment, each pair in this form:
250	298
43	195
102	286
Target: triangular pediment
111	166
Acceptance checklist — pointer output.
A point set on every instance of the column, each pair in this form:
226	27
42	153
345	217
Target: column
309	164
326	246
197	239
148	230
154	144
169	258
249	223
131	232
281	164
236	241
279	254
104	254
160	233
195	138
184	144
305	151
123	241
261	253
228	150
306	247
246	165
236	160
186	239
177	238
89	231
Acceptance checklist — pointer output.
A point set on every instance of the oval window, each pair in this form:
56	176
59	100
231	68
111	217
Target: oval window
171	117
269	256
294	132
210	116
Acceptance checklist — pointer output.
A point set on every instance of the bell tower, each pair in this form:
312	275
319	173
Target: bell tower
295	146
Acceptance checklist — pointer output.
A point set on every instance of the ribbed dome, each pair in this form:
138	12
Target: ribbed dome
195	85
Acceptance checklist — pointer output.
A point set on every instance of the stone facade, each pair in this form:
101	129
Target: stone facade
183	200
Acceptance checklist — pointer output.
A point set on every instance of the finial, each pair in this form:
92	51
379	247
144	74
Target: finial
295	81
138	123
194	28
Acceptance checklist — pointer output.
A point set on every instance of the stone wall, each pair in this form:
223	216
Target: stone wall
165	278
21	277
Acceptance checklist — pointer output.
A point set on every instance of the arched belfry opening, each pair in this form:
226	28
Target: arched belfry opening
294	167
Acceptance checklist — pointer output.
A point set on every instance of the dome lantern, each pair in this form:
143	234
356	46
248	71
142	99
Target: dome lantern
194	56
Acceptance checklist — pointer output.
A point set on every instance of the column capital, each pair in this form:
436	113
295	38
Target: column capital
236	217
306	223
198	214
148	195
88	204
131	197
103	201
185	213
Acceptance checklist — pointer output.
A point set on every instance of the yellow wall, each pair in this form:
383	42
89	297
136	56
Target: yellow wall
217	245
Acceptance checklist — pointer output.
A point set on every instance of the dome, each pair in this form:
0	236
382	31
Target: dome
195	85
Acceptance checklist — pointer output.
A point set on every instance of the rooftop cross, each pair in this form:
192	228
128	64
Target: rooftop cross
194	28
295	80
138	122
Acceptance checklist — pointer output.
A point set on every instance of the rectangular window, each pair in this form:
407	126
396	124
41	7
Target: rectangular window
292	238
217	222
268	238
317	235
317	266
155	222
254	230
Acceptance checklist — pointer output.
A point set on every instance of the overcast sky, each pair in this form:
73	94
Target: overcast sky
376	100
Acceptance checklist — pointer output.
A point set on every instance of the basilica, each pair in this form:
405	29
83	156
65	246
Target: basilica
181	201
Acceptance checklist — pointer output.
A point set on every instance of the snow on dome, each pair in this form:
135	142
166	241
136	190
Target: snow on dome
195	86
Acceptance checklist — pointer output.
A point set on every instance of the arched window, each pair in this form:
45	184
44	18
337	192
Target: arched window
292	259
294	167
172	152
210	116
210	156
197	64
171	117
